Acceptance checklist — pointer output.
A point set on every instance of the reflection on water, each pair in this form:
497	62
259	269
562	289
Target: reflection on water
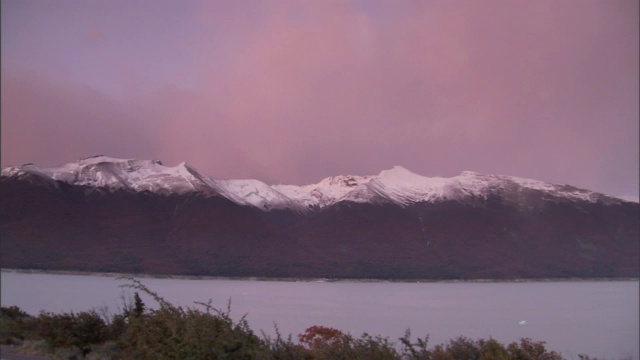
598	318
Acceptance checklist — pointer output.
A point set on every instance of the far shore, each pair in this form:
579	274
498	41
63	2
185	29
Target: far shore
293	279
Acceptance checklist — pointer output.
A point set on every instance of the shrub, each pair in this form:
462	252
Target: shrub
13	312
329	343
459	348
69	330
106	351
417	350
465	348
531	350
173	332
15	325
281	349
374	348
320	337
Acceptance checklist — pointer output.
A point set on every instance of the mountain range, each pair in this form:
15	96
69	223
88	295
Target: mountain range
125	215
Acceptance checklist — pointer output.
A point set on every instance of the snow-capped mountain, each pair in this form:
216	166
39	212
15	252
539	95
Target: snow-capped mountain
255	193
106	172
397	185
151	175
327	192
140	216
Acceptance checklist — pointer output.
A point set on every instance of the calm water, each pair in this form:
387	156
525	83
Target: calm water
596	318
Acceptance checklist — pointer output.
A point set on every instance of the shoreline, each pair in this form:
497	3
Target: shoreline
294	279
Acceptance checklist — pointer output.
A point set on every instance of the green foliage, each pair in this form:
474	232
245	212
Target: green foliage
173	332
138	305
465	348
281	349
13	312
69	330
530	350
177	333
15	325
372	347
417	350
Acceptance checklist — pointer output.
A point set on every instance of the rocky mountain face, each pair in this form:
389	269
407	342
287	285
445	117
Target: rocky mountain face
116	215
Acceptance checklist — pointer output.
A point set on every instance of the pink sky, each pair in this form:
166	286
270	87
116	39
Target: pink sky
294	91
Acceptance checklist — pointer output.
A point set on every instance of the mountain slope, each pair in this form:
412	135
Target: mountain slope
105	214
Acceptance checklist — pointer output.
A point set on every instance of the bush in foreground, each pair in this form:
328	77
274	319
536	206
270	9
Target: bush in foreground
174	332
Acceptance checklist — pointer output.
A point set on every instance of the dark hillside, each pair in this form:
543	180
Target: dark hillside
53	225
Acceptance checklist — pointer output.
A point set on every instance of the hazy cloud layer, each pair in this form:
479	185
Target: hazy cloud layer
290	92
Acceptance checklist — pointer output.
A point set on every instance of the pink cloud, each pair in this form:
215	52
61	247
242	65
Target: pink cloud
95	37
292	92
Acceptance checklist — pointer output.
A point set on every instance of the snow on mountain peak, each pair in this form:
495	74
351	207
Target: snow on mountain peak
255	193
401	177
397	185
328	191
404	187
348	181
114	173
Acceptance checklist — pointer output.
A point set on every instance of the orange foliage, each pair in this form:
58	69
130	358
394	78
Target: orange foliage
318	337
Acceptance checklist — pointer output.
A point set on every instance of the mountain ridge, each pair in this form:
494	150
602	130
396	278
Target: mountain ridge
397	185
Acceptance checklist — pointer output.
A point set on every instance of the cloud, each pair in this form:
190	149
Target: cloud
439	86
292	92
95	37
50	122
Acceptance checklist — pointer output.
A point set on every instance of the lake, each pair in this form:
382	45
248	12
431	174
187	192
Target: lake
597	318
